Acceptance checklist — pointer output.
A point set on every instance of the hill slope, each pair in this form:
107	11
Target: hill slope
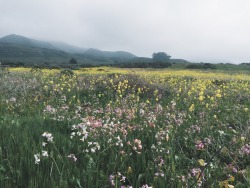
17	39
16	48
98	54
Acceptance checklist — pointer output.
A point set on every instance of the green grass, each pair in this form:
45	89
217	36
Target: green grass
119	127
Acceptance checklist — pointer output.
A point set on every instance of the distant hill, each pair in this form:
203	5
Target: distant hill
97	54
20	40
19	49
68	48
16	48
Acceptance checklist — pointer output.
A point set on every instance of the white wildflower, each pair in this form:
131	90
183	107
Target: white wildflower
37	158
45	154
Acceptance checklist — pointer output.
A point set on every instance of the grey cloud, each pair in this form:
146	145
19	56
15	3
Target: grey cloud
196	30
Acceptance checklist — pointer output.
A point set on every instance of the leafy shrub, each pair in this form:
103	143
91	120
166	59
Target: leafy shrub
67	72
201	66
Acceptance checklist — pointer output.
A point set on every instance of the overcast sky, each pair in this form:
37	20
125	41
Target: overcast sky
195	30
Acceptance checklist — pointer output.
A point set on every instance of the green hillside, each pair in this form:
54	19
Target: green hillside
15	48
24	41
106	55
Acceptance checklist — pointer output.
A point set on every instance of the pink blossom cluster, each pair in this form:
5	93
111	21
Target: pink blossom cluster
245	150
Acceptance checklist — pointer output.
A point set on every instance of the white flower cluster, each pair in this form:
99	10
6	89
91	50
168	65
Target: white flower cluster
79	130
119	142
72	157
44	153
38	156
48	136
93	147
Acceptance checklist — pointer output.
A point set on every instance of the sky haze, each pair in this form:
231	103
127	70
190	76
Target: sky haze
196	30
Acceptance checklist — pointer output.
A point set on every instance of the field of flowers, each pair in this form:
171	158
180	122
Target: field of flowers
106	127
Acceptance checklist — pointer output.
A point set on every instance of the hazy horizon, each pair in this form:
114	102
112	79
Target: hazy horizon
195	30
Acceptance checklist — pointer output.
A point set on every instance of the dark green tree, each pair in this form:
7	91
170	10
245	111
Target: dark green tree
161	57
73	61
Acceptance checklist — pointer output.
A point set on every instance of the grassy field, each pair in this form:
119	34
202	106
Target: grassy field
106	127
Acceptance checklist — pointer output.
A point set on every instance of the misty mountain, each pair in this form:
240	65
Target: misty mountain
14	53
68	48
16	48
20	40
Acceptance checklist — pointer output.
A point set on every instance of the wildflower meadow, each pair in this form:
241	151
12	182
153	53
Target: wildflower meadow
109	127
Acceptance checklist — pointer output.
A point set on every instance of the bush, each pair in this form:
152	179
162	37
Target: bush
144	65
201	66
67	72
